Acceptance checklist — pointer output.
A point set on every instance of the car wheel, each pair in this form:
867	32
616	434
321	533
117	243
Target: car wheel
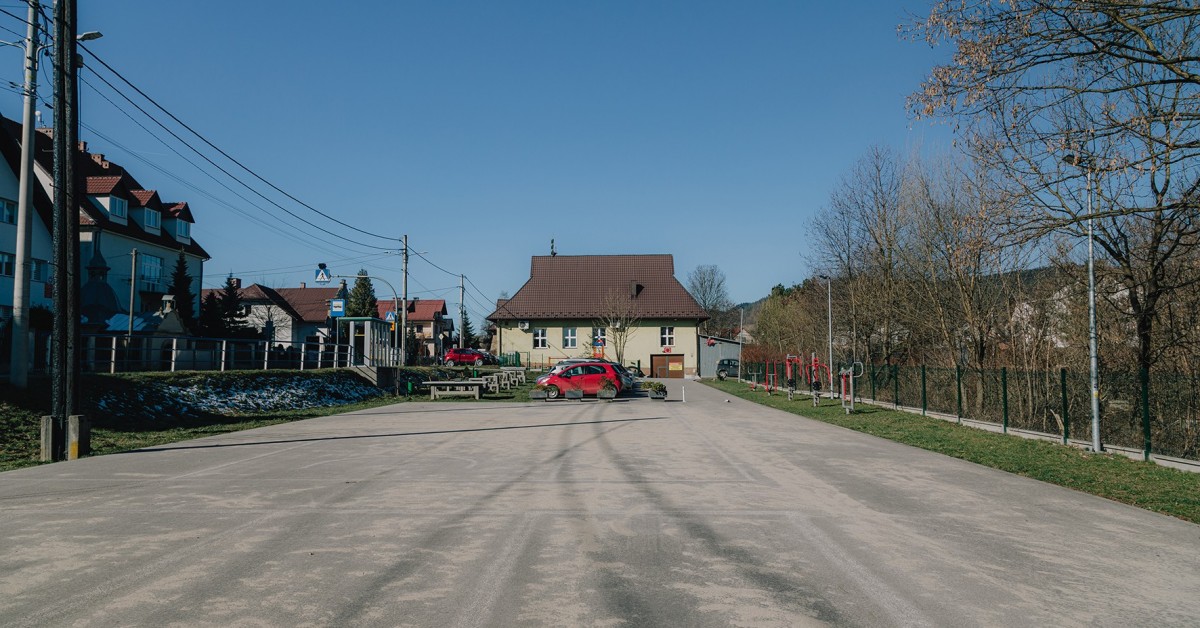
479	362
449	362
722	374
552	392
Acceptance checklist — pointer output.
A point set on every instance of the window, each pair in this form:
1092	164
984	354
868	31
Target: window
600	336
151	267
8	211
666	336
539	338
118	207
570	338
7	264
152	219
38	270
183	229
420	329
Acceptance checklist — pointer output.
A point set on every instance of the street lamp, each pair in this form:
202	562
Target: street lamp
829	304
1087	163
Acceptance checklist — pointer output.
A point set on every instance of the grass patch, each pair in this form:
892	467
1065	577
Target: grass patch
1142	484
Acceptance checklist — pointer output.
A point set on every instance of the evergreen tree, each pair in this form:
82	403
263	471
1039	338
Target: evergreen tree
233	316
181	289
362	300
211	324
468	331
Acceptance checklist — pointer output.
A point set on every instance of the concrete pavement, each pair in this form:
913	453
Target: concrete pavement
634	513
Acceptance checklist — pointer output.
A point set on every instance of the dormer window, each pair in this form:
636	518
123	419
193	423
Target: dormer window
183	229
152	219
118	207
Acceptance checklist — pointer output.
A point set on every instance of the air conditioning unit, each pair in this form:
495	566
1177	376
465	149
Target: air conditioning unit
523	325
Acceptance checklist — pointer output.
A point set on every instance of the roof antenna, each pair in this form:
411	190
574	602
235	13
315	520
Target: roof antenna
552	251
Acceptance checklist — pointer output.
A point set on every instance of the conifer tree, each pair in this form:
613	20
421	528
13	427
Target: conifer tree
362	300
233	316
211	324
181	289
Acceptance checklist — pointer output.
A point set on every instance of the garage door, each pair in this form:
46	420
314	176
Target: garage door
666	366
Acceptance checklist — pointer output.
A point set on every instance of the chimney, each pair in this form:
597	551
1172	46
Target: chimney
82	146
237	283
99	159
635	289
303	285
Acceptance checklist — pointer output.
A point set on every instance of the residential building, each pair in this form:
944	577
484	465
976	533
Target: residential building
628	308
117	216
428	320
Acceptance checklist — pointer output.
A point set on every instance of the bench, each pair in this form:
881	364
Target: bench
515	371
437	390
491	382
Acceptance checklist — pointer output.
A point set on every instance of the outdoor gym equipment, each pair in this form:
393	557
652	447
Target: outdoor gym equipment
847	376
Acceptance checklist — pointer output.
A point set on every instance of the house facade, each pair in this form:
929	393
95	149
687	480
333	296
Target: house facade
626	308
117	216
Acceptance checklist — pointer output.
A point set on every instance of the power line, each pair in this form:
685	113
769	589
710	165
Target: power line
227	155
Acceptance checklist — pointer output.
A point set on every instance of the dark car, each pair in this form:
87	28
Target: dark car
467	356
728	368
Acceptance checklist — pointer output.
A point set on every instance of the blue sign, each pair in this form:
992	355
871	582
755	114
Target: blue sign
390	316
323	274
337	307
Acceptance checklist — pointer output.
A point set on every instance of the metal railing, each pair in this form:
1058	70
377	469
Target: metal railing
124	354
1155	413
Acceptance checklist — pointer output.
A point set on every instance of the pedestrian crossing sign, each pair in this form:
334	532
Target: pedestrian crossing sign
322	275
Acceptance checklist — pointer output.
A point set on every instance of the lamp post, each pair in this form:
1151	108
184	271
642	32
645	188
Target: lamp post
1087	163
829	306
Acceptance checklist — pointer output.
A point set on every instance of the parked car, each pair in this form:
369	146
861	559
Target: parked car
635	370
589	377
467	356
729	367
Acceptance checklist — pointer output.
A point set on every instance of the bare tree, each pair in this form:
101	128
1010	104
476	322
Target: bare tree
619	317
1109	85
707	286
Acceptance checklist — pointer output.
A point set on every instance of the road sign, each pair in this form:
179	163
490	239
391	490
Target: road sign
337	307
323	274
390	316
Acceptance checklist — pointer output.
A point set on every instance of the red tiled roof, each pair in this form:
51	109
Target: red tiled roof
577	286
147	198
97	186
311	304
180	211
418	309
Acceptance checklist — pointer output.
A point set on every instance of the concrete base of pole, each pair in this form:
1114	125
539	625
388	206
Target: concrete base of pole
47	439
79	437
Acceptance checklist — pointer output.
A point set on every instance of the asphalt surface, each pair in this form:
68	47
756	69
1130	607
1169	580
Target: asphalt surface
629	513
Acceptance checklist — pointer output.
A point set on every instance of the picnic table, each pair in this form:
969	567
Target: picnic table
458	388
516	374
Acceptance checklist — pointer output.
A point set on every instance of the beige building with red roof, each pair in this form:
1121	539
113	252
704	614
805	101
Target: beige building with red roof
627	308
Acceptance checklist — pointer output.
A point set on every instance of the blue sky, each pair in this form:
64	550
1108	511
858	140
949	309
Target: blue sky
709	130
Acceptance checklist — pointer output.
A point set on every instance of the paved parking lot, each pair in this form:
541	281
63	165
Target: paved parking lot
634	513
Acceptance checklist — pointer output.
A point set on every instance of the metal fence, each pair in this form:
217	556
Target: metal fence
123	354
1156	413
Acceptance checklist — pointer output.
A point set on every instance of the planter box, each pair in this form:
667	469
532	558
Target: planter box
658	395
606	393
573	393
538	394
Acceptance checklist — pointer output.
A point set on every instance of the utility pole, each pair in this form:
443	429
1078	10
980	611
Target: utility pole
19	362
64	367
132	291
462	314
404	309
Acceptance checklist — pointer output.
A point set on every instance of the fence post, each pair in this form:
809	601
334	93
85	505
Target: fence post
1004	395
112	368
224	346
958	388
896	386
1145	415
924	397
1066	421
174	352
873	398
266	354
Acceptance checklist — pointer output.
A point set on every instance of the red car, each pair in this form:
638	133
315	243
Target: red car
589	376
466	356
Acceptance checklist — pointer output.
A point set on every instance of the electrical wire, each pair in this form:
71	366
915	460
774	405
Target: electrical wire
227	155
230	175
